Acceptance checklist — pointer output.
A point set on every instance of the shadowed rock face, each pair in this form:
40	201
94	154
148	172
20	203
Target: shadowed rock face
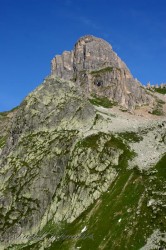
95	67
39	126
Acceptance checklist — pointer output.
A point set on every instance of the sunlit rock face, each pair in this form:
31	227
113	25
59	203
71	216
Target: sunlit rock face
90	53
96	68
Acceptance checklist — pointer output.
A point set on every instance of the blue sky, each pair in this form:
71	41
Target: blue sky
32	32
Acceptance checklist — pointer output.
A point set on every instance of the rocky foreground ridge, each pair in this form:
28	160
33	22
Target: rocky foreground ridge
77	171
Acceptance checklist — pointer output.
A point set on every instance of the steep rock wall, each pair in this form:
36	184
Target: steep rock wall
97	69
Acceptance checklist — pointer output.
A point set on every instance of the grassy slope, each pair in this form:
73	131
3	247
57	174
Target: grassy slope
120	219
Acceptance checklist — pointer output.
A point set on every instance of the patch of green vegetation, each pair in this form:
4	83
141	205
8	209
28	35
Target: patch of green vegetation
117	142
90	141
101	71
161	167
49	228
160	90
93	141
157	111
2	141
101	101
131	136
97	118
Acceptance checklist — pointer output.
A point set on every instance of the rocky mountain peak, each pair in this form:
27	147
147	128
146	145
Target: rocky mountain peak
96	68
90	53
95	53
65	161
88	39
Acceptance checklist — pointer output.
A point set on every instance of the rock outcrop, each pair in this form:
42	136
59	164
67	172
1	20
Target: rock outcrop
49	168
97	69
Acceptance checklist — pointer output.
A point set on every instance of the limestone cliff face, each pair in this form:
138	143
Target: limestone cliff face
97	69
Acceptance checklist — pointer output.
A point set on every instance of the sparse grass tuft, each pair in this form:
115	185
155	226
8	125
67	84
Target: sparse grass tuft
131	136
161	91
101	101
101	71
158	112
158	109
2	141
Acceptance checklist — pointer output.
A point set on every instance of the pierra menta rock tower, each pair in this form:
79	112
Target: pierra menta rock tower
96	68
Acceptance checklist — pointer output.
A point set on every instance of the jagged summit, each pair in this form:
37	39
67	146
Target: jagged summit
96	68
89	53
88	38
92	53
91	38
